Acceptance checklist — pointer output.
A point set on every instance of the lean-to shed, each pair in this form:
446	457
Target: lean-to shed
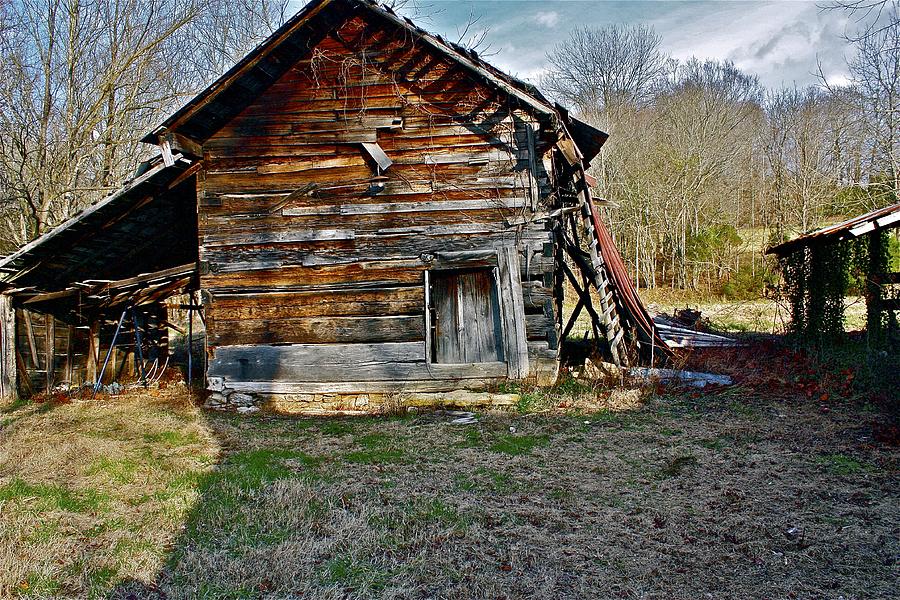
365	209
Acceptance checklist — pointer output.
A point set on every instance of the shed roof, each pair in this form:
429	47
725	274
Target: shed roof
880	218
145	226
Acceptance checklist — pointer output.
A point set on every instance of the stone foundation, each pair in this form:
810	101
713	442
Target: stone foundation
326	404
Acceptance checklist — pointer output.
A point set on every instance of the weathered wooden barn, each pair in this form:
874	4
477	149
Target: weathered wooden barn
364	209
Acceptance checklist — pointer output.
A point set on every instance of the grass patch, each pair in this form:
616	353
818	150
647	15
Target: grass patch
15	405
375	449
350	572
53	497
841	464
172	439
256	509
516	445
38	585
499	481
253	469
744	410
712	443
438	511
121	471
336	427
669	432
484	479
471	438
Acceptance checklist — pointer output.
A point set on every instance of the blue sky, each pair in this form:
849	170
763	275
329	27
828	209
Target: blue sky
781	42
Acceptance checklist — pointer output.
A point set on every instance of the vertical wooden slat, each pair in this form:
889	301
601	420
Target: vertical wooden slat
32	342
93	351
513	309
8	370
70	359
429	332
50	349
534	191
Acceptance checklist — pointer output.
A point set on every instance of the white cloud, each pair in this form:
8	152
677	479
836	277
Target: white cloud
838	79
547	18
781	42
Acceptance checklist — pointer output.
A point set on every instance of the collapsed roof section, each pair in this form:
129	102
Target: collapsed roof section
143	236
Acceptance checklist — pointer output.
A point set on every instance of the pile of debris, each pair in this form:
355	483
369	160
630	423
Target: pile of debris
688	329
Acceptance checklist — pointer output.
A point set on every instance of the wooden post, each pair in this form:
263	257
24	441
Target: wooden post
50	349
70	359
873	291
93	359
32	341
8	371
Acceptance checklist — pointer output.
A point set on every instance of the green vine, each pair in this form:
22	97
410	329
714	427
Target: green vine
877	260
818	277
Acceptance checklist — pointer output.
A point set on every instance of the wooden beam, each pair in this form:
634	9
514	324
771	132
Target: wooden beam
513	311
573	318
177	142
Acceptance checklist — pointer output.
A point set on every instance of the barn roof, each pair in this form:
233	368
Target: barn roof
227	96
889	216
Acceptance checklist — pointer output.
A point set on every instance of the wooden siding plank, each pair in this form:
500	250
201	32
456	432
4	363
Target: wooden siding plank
369	362
444	382
317	330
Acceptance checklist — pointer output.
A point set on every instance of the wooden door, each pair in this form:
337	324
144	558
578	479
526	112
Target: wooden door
465	317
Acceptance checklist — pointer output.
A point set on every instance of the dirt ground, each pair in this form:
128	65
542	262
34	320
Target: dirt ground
719	494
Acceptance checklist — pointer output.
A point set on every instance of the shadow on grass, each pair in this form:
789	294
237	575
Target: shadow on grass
267	512
342	507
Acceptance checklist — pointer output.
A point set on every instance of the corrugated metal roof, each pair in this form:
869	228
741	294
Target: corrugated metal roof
889	216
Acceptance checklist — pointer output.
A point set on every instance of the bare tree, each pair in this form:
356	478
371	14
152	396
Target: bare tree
874	16
875	72
82	80
600	71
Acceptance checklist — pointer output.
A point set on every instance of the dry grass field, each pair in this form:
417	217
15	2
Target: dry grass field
719	495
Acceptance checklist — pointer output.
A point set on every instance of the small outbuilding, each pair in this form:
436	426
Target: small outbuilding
362	209
817	268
